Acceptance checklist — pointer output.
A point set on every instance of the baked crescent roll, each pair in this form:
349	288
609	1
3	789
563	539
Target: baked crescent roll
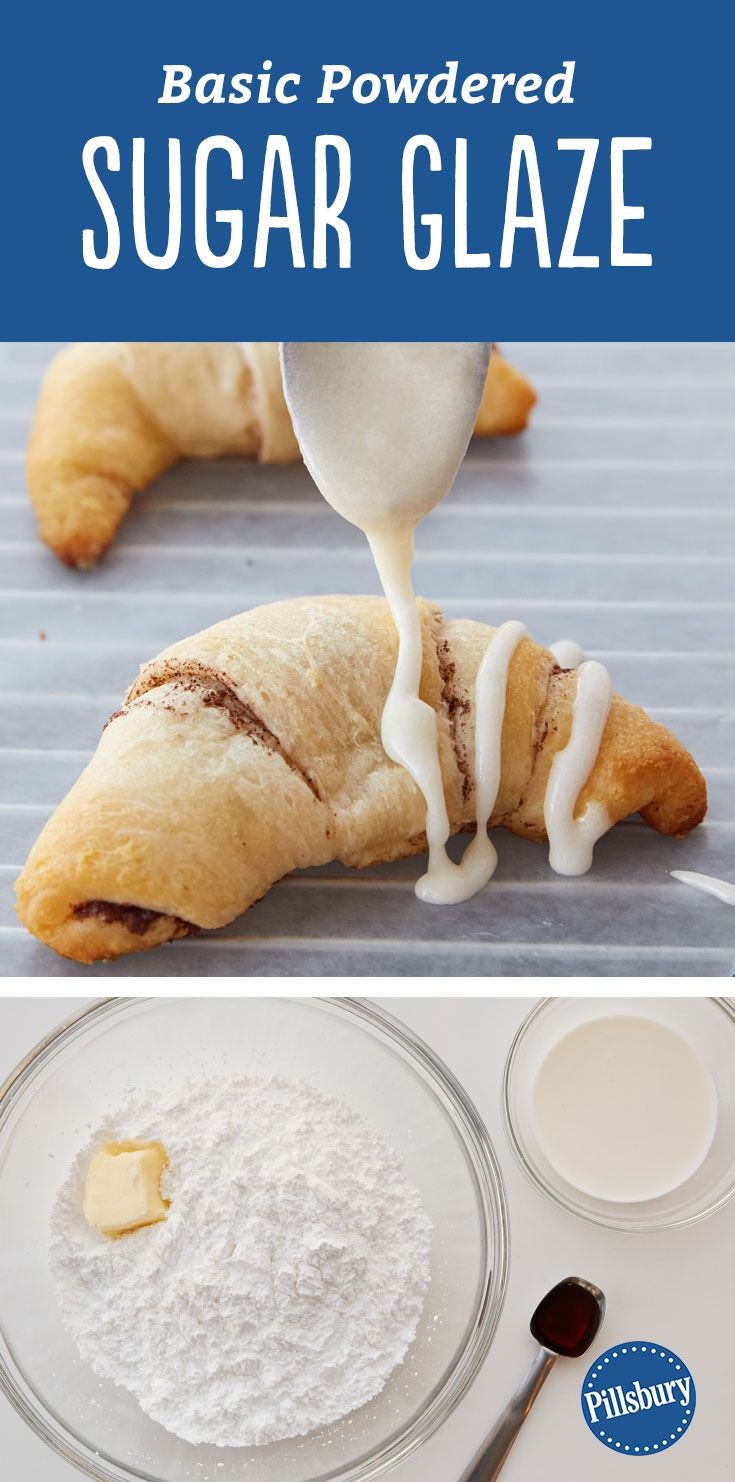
111	417
253	749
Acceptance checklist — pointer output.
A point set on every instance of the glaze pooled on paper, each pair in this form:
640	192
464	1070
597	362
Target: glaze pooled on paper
722	890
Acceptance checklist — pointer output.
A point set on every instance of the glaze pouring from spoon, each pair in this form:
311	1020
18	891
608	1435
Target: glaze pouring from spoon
383	429
383	470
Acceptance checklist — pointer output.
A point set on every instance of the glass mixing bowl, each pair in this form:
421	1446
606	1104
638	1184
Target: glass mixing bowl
349	1049
708	1025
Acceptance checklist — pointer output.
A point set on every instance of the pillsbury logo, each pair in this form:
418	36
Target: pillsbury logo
638	1399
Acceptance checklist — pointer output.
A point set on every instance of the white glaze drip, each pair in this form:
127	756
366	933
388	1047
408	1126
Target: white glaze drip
444	882
572	840
410	736
409	726
480	857
722	890
567	653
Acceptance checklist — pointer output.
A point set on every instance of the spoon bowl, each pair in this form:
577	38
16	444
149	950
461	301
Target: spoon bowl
383	427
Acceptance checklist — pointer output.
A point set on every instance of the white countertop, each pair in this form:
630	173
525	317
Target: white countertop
676	1288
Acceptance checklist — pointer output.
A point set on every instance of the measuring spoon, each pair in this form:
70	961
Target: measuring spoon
564	1324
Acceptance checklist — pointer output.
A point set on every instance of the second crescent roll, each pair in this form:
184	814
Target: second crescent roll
112	417
253	749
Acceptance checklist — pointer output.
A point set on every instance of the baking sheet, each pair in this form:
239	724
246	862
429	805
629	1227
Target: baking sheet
611	521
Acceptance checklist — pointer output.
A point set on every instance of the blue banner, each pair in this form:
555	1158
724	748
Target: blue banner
397	171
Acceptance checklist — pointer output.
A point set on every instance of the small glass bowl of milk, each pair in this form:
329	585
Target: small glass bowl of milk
622	1110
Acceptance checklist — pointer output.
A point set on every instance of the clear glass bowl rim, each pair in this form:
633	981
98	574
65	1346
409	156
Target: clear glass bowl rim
483	1160
549	1190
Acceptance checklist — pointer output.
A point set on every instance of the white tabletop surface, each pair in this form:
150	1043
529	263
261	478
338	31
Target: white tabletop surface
675	1288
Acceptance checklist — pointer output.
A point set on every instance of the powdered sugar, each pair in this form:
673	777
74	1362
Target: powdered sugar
286	1283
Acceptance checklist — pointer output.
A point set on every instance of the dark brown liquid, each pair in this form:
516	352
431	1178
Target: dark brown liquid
568	1318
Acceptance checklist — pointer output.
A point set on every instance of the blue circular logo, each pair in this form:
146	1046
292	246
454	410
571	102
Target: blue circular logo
638	1398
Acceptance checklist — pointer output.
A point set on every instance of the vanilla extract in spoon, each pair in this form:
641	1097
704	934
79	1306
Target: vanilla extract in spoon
565	1324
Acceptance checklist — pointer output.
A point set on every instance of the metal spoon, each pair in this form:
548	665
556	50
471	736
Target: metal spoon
564	1324
359	412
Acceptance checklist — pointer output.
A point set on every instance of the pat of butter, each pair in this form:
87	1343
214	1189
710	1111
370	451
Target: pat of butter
122	1191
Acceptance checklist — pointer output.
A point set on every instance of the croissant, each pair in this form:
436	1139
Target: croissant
253	749
112	417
